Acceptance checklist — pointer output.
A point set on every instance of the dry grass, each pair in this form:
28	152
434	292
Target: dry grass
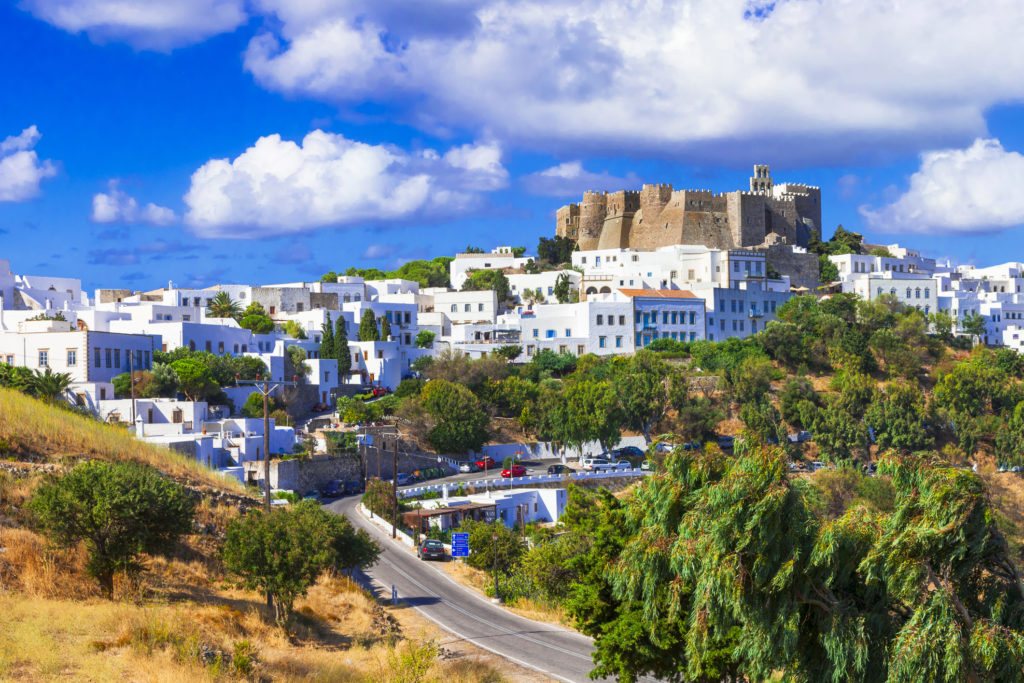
34	427
181	621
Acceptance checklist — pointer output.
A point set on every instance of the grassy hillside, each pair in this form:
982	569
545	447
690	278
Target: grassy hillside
36	430
181	619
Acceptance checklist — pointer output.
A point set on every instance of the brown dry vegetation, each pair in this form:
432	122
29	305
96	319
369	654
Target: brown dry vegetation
181	619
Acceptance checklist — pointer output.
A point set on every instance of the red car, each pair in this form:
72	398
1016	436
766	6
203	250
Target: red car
486	463
514	471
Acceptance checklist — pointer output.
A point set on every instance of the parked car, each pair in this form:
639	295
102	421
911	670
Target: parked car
647	465
629	452
799	437
691	446
469	467
817	465
312	494
726	442
593	463
352	488
514	471
404	479
560	469
430	549
332	489
486	463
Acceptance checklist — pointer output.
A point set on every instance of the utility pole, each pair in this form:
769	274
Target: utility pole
394	484
131	381
266	389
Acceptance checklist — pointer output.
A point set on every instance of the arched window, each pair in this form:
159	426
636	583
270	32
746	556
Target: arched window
927	293
926	309
893	291
908	292
917	293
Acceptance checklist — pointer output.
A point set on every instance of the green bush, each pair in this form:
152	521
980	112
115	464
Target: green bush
282	553
119	510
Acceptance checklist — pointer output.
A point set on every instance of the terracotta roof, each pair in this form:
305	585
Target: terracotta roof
660	293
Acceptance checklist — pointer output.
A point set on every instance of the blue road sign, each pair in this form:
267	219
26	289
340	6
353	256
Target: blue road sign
460	545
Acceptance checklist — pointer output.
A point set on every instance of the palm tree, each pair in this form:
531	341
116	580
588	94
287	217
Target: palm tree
221	306
49	385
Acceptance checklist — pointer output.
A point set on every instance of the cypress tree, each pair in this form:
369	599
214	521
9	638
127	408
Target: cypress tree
341	350
327	340
368	327
385	328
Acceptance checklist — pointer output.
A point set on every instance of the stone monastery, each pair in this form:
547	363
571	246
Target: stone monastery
659	216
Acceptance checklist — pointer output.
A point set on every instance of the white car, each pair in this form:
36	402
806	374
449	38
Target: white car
592	464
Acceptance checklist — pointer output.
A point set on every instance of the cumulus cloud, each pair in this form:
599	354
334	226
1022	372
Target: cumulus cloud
658	77
569	179
279	187
21	172
973	190
379	251
117	206
145	24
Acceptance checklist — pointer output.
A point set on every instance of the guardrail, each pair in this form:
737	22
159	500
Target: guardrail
518	481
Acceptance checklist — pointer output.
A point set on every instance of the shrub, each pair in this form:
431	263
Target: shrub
282	553
119	510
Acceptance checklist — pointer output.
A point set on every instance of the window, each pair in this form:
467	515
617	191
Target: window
600	319
638	317
236	345
551	291
177	416
186	318
693	336
602	342
664	318
927	293
209	346
722	324
736	266
732	305
72	358
618	342
467	308
622	320
195	301
145	356
693	318
220	347
908	292
44	358
568	332
529	349
97	354
108	356
455	308
562	348
274	310
298	307
721	305
479	307
580	349
536	333
549	334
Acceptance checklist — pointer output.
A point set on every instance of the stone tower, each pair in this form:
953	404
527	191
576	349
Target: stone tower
761	183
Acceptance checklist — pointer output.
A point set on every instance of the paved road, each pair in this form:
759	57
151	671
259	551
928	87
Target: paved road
548	649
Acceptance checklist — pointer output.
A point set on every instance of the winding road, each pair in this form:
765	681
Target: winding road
548	649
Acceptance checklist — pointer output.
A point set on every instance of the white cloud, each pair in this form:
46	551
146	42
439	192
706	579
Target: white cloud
973	190
795	77
117	206
144	24
21	172
278	187
569	179
379	251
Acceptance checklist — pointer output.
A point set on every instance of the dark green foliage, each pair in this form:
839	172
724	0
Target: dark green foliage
668	345
721	567
484	549
221	306
282	553
433	273
827	271
547	363
385	328
48	385
379	498
195	379
16	377
341	350
408	387
839	435
555	251
508	351
460	422
763	421
511	395
591	412
897	415
368	330
327	341
795	394
120	511
752	379
494	280
563	288
642	389
255	319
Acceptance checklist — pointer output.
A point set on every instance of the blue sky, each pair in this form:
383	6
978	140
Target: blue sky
198	141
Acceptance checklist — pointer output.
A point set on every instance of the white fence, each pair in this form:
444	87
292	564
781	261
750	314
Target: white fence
515	482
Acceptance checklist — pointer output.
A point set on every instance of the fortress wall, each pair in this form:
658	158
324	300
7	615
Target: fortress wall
567	221
802	269
593	210
654	199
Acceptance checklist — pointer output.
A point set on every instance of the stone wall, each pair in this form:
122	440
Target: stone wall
315	472
802	268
